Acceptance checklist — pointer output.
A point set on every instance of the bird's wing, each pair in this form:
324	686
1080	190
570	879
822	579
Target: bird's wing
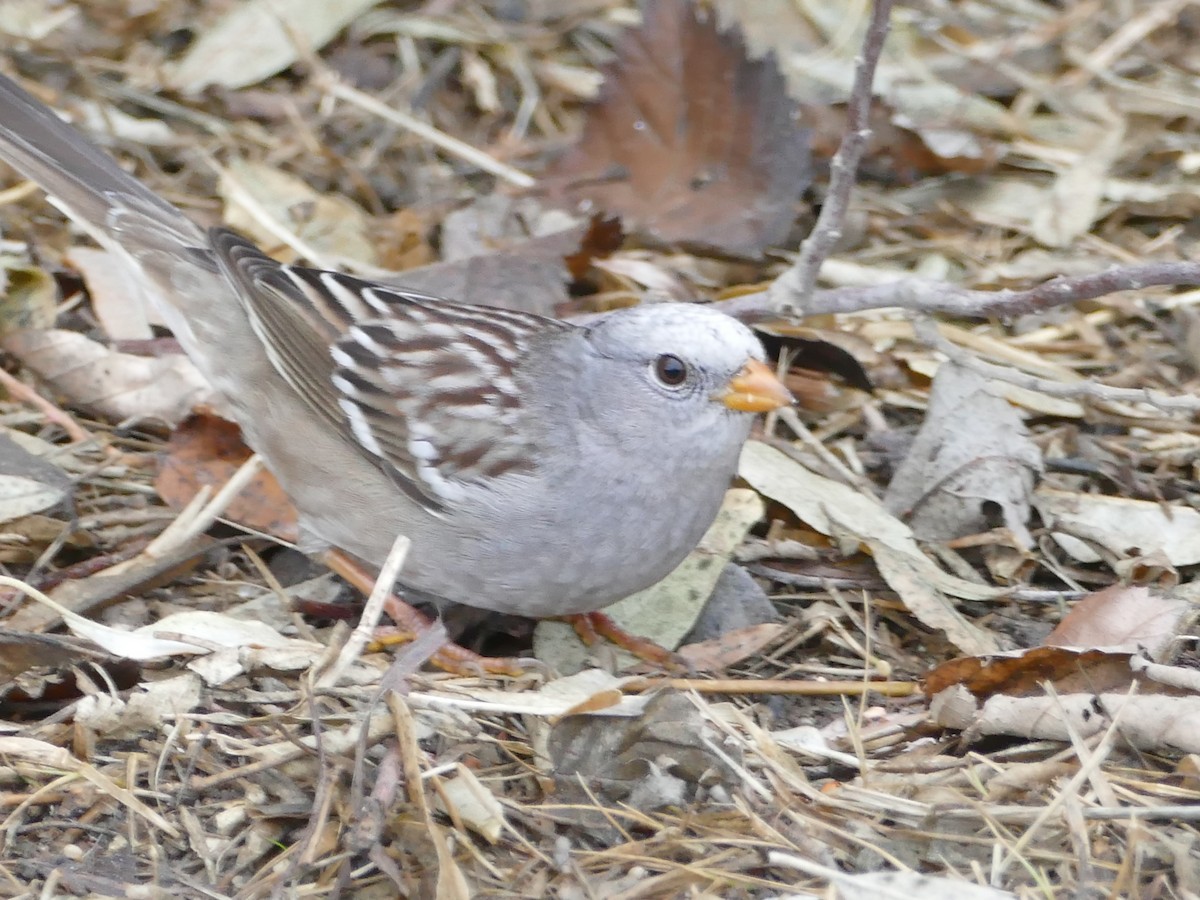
424	386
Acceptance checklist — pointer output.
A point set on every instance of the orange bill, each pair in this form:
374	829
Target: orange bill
755	389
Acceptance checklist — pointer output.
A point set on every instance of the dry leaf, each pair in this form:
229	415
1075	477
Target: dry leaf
1156	722
512	254
118	386
473	803
1124	527
590	692
120	307
190	633
731	648
907	885
1124	617
691	143
971	467
205	451
28	484
258	38
261	201
1023	673
835	509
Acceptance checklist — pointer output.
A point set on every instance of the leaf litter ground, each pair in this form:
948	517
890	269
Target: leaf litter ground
1013	143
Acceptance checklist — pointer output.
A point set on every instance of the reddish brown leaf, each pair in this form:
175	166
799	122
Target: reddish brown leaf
205	450
1024	672
894	154
1089	650
603	237
691	143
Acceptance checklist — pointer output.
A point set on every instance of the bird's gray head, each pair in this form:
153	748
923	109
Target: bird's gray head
687	369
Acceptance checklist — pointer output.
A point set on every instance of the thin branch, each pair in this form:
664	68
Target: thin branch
927	332
791	291
925	296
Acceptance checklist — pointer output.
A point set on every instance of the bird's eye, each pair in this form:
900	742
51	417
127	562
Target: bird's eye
670	370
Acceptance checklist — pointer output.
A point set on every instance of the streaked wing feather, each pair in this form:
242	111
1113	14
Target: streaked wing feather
423	385
434	388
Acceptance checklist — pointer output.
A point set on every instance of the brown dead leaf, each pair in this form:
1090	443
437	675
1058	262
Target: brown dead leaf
1132	618
1090	650
206	450
604	235
1023	672
692	143
20	652
895	154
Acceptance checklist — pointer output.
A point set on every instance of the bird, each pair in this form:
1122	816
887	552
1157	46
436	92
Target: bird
539	467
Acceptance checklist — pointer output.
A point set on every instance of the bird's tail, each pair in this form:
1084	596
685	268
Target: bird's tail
81	178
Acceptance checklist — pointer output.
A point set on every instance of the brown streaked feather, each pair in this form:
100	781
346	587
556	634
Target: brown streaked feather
423	386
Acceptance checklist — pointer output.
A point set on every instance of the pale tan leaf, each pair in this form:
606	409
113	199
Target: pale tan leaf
116	385
255	39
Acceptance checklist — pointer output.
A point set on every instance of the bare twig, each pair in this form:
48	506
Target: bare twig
361	636
927	332
927	296
793	288
18	390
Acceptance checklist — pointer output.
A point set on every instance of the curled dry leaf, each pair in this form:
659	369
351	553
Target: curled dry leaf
115	385
473	804
692	143
1089	651
1024	673
1083	523
971	467
205	451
